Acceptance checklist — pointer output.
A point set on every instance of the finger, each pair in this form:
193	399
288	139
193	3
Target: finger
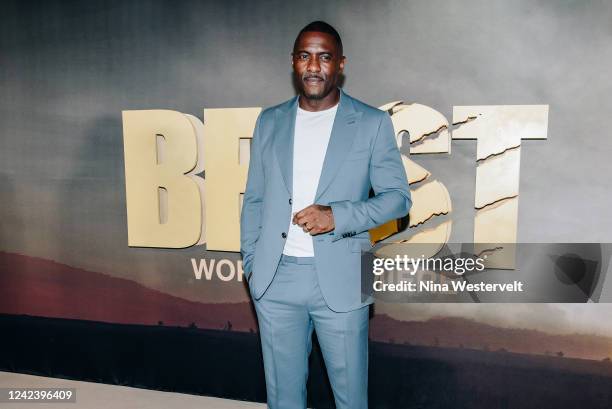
314	231
311	227
306	210
301	219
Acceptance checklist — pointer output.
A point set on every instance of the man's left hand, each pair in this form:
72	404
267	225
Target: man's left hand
315	219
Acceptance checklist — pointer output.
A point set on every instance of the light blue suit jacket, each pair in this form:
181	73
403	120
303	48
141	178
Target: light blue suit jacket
362	153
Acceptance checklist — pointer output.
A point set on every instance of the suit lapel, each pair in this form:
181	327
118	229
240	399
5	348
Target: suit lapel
343	130
283	141
340	141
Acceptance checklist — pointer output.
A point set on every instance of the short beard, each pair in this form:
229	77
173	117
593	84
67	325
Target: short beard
315	97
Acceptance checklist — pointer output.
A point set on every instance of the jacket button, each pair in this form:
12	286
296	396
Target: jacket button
290	201
284	235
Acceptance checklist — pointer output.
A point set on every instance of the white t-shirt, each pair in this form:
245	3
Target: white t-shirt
312	132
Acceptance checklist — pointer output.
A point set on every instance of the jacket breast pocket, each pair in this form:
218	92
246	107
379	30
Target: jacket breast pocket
364	157
359	153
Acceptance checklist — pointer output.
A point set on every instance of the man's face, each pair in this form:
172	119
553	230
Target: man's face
317	64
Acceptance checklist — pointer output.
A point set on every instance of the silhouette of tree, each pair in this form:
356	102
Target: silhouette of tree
606	359
193	325
160	323
560	354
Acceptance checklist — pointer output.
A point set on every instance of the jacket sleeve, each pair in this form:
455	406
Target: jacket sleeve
392	198
252	202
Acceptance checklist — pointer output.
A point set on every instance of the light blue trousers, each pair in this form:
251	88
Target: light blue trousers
287	313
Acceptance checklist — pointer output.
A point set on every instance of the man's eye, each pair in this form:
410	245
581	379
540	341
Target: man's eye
326	57
303	56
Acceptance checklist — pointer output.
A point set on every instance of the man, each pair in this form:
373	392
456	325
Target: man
305	220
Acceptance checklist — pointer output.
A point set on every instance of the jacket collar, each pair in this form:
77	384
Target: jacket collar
343	131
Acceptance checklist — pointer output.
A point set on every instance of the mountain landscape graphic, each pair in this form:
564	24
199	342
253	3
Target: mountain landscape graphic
39	287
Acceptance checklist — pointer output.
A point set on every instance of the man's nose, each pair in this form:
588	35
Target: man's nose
313	65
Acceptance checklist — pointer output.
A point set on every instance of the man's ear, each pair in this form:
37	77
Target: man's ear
342	61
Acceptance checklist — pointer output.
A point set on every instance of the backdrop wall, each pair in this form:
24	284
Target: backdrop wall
68	69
